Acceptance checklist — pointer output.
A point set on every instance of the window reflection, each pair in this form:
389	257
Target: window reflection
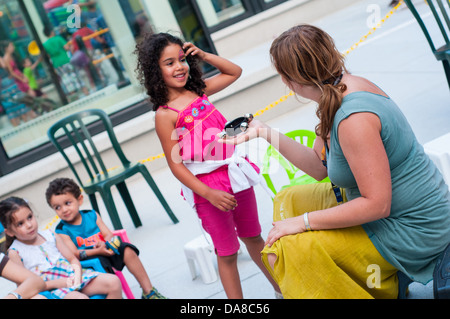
89	45
137	18
191	27
217	11
23	78
75	65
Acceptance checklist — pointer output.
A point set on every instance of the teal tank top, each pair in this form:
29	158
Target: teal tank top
84	236
418	228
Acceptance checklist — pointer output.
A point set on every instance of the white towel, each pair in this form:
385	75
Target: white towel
241	173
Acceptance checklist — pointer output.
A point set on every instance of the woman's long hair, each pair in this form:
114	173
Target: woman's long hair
308	56
148	52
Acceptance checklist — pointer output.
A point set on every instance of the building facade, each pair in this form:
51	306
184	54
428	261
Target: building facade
99	73
99	70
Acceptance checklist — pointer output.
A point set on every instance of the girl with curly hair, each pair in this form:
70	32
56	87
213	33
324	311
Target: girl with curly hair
187	124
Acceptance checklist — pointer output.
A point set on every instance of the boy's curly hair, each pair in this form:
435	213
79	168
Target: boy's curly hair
62	186
148	52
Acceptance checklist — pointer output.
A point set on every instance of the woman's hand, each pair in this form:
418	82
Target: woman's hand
190	48
290	226
221	200
255	129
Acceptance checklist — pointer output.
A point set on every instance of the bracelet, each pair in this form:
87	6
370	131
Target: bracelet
306	220
15	294
83	255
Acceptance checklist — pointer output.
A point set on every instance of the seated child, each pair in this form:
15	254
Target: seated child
85	233
45	254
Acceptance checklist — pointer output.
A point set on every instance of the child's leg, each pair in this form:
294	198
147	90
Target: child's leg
136	268
254	247
104	284
229	276
249	229
220	225
76	295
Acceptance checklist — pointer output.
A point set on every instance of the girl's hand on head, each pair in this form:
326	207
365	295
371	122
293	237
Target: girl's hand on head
221	200
190	48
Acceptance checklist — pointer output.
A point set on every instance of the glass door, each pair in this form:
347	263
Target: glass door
219	14
193	27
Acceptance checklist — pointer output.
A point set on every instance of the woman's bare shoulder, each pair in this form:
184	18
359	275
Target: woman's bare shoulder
359	84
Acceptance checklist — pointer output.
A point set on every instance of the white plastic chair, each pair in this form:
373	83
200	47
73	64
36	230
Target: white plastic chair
200	251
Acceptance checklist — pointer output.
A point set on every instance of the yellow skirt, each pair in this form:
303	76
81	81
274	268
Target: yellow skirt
326	264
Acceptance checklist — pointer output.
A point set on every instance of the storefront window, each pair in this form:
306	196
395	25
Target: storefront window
137	18
219	14
23	77
218	11
71	62
192	28
58	57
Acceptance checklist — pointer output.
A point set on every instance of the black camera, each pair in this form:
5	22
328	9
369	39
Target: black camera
236	126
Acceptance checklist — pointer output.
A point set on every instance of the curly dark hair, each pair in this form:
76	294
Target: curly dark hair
148	52
62	186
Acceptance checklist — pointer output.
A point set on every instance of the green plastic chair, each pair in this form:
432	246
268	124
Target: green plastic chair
304	137
73	130
442	19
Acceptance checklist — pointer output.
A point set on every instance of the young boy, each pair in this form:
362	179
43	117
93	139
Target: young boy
85	233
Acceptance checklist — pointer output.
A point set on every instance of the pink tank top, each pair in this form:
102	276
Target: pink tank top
197	127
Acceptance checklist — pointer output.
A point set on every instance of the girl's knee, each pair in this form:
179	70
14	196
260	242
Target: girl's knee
252	240
114	282
108	282
113	287
117	285
254	244
230	259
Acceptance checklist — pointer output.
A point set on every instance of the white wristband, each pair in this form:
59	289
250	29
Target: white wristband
15	294
306	220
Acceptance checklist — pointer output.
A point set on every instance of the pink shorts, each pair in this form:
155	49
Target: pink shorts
225	227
